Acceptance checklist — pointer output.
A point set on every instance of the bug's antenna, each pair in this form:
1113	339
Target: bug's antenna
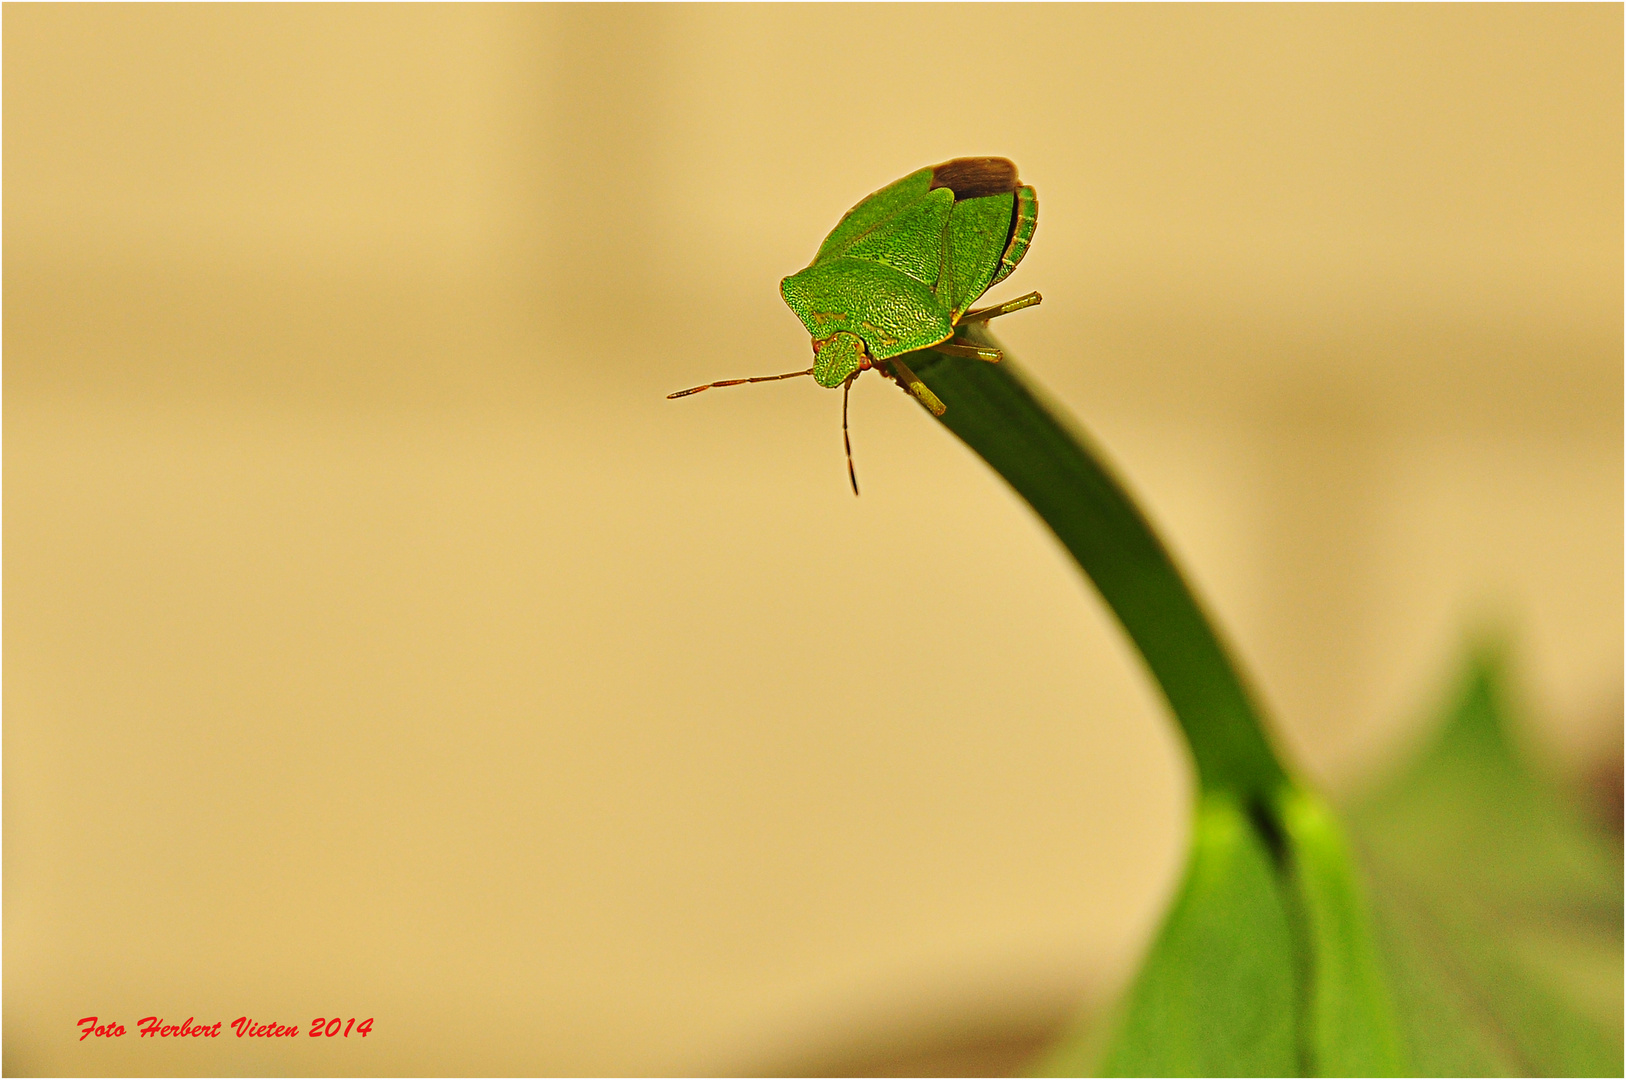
737	382
847	389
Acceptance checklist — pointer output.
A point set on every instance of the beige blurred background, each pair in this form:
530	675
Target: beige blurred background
380	642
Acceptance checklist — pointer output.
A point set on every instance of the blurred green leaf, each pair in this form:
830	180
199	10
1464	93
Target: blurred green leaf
1499	903
1350	1028
1216	995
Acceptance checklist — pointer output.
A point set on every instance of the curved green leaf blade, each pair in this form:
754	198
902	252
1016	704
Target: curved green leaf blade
1053	468
1190	1008
1491	942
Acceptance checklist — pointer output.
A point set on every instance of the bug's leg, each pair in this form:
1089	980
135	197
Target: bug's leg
994	312
846	391
737	382
912	383
968	349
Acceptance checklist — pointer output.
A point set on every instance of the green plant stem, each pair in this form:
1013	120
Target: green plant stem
1064	480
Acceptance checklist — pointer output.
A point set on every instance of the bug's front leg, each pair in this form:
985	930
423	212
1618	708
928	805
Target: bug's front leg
911	382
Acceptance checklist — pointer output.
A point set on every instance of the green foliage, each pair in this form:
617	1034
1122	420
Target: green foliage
1216	997
1349	1024
1499	903
1468	922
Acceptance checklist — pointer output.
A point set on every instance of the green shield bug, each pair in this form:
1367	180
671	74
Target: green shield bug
900	272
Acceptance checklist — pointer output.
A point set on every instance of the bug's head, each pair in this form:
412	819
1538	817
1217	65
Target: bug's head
838	357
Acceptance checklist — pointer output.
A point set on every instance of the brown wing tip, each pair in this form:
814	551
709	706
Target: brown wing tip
974	177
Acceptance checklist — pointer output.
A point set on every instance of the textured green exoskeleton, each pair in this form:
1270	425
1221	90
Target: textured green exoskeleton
902	270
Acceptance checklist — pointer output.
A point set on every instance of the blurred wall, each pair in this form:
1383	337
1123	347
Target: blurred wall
380	642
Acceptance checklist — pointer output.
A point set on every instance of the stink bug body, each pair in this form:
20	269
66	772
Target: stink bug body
901	271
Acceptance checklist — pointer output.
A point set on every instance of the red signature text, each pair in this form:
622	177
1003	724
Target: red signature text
90	1027
331	1027
248	1029
154	1025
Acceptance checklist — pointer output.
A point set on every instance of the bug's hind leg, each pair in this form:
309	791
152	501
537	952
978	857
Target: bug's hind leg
968	349
995	311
